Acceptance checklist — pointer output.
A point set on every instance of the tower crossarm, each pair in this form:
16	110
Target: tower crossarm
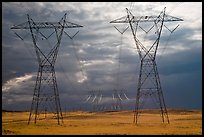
46	25
134	23
167	18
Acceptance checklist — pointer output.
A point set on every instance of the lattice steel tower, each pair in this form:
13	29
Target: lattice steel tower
46	94
149	82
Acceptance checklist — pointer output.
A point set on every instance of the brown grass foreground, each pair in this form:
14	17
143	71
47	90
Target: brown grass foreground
105	123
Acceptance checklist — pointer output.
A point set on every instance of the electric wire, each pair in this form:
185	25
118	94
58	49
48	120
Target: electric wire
119	59
65	75
81	67
173	9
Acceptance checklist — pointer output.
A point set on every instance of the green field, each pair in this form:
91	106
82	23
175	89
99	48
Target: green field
182	122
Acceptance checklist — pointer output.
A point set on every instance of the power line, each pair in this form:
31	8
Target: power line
177	5
119	59
65	74
164	48
80	65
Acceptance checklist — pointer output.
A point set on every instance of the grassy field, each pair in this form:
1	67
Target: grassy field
106	123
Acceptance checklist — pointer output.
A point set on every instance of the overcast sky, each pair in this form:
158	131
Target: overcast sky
91	60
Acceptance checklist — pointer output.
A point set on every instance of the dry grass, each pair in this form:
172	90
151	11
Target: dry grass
111	123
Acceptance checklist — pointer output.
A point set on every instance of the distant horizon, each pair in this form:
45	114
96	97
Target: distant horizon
7	110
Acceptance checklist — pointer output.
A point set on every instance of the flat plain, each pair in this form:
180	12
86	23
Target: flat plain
182	122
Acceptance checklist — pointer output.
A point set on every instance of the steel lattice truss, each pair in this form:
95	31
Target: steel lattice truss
46	94
149	84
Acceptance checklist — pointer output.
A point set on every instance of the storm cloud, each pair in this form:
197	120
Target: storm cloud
93	60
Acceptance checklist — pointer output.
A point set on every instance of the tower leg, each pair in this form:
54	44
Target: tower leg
148	85
45	94
35	101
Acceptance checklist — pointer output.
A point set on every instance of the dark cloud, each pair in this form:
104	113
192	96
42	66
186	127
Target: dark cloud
90	60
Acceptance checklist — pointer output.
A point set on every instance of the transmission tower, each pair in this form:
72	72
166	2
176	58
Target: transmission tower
46	95
118	97
149	82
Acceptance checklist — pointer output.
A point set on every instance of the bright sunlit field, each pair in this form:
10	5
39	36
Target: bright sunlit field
105	123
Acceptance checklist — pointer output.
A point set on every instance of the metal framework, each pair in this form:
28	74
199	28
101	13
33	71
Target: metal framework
149	84
46	94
